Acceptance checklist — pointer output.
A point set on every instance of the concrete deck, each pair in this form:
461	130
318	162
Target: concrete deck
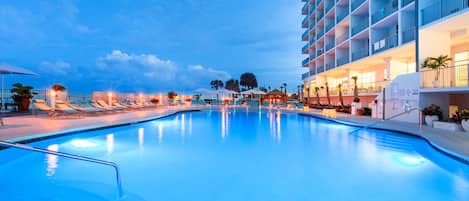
24	128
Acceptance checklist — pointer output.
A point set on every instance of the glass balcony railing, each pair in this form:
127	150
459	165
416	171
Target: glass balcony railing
385	43
363	88
312	8
329	6
320	32
320	52
305	75
304	36
384	12
320	69
320	15
311	25
329	26
450	77
312	39
330	46
305	61
342	60
360	26
330	66
441	9
342	37
304	10
358	54
305	48
318	2
356	3
341	16
406	2
408	35
304	23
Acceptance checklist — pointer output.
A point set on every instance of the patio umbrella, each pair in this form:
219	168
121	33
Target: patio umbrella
6	69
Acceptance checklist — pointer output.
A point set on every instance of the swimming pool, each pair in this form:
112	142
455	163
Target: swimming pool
236	155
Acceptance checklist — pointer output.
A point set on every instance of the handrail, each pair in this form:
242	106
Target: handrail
82	158
402	113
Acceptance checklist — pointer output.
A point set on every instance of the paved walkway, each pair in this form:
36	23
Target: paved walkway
29	127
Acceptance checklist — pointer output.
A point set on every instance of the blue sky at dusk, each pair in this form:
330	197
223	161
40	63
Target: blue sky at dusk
151	45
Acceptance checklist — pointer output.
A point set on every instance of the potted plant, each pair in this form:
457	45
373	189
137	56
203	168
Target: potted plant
463	117
436	63
22	96
432	113
171	96
154	100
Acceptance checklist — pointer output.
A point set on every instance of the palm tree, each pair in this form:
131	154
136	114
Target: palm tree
316	89
216	84
328	96
341	99
232	85
356	99
436	63
248	80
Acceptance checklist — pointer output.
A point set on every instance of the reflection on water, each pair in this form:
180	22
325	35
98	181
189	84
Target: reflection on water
183	117
52	160
160	133
110	143
275	125
224	123
141	136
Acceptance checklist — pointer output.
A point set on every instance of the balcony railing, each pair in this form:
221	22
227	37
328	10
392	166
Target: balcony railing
312	39
320	69
341	16
305	61
311	25
329	6
384	12
304	36
329	26
343	60
318	2
385	43
330	66
342	37
406	2
320	15
305	48
304	23
360	26
312	57
408	35
305	75
320	32
320	52
330	46
356	3
358	54
454	76
312	8
304	10
363	88
442	8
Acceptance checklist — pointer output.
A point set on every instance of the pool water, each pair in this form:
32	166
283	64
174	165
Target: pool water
234	155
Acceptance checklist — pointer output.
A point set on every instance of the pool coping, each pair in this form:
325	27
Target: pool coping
49	135
447	152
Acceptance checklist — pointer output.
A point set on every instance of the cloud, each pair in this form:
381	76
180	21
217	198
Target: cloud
148	72
56	68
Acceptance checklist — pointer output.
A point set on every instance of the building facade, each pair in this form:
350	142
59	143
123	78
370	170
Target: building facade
374	41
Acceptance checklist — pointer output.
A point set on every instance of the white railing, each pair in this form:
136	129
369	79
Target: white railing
454	76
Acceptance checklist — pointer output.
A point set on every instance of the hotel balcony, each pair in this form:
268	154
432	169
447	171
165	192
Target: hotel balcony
312	8
406	2
358	54
312	39
304	10
363	88
330	45
385	43
450	77
356	3
384	12
304	24
408	35
320	69
360	26
305	49
329	26
320	33
343	60
330	66
305	75
329	5
440	9
311	25
304	37
320	15
342	38
305	62
320	52
341	15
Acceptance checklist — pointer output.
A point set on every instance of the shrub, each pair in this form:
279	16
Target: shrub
432	110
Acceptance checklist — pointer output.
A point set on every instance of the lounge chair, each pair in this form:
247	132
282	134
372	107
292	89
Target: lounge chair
105	105
85	109
41	105
64	108
95	104
118	105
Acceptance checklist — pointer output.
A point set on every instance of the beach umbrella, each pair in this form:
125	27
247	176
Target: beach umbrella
6	69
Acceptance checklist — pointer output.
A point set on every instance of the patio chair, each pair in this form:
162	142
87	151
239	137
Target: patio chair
95	104
85	109
105	105
61	107
41	105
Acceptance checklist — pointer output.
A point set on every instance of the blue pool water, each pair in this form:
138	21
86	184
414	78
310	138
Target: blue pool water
236	155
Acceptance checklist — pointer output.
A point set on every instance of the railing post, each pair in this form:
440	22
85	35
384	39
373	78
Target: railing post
384	103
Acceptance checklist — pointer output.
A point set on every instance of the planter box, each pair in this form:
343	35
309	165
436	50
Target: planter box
450	126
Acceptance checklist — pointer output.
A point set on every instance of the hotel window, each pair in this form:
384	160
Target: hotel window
461	61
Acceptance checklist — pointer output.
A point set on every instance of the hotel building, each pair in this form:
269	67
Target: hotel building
375	41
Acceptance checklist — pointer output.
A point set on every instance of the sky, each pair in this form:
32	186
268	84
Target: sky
151	46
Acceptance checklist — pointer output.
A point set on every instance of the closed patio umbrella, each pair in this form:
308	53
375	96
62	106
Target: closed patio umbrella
6	69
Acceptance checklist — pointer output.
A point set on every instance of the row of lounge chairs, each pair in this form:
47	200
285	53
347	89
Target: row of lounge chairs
250	103
86	107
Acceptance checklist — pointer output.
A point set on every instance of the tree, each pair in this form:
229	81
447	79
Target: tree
285	87
216	84
248	80
341	99
58	87
263	89
436	63
356	99
232	85
316	89
172	95
328	96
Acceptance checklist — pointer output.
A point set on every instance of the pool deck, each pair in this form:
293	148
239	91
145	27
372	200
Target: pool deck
25	128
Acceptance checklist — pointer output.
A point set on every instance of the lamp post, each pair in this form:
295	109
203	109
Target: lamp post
110	99
52	99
